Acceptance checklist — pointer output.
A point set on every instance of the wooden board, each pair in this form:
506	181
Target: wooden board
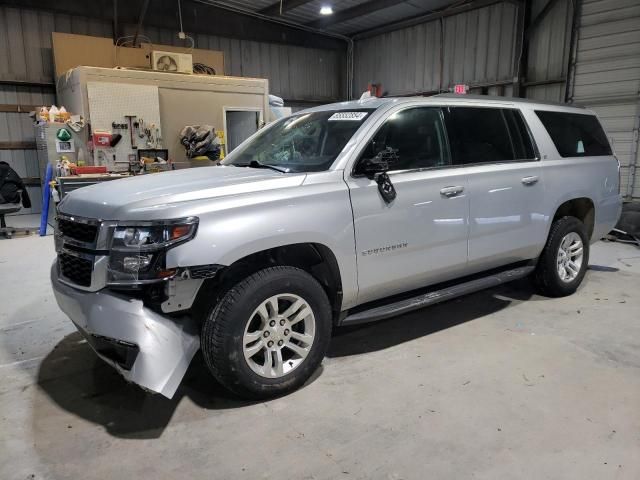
17	145
70	51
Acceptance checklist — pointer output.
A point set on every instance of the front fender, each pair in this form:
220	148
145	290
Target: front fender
316	212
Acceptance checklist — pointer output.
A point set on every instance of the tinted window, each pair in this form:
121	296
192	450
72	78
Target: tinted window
417	136
574	134
485	135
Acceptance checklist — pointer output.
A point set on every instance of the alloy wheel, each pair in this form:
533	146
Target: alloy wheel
279	335
570	256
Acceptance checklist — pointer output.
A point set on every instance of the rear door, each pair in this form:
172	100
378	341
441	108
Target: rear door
420	237
507	220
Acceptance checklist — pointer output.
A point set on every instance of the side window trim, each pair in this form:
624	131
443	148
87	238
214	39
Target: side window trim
527	133
509	133
446	149
530	136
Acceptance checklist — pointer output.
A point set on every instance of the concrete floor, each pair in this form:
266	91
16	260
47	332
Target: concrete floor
500	384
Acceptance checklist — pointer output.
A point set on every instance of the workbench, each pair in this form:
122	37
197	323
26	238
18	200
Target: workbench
73	182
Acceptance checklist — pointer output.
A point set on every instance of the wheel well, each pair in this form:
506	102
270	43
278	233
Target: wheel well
582	209
316	259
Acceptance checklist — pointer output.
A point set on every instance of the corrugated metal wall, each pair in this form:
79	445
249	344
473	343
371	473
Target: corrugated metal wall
607	77
476	48
548	56
295	73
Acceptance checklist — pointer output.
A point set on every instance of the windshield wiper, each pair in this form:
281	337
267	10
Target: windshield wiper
257	164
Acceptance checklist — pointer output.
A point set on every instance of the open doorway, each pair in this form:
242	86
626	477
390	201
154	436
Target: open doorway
239	125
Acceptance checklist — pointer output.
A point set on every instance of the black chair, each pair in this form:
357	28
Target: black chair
6	209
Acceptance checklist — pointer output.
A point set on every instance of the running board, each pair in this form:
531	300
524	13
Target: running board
436	296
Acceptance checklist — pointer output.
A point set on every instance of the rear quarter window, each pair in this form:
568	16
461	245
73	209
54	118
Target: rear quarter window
575	134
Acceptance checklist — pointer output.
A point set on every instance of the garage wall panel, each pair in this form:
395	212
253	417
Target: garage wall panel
548	55
476	47
607	77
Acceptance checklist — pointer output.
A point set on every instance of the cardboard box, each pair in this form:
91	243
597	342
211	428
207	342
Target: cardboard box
70	51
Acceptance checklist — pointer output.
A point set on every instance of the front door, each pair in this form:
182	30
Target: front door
419	238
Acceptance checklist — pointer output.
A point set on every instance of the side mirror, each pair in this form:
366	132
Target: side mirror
380	163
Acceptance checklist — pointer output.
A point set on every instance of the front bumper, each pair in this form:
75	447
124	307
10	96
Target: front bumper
147	348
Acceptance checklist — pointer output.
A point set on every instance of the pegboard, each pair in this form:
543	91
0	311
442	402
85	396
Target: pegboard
108	103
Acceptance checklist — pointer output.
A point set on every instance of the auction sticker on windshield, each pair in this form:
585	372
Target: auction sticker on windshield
354	116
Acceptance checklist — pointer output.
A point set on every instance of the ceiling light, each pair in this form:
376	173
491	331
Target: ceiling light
326	10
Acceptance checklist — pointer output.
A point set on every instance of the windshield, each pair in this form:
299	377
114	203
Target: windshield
309	142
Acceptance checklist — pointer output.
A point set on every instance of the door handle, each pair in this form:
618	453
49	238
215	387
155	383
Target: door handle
451	191
530	180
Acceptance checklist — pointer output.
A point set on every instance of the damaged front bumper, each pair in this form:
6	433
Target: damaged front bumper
147	348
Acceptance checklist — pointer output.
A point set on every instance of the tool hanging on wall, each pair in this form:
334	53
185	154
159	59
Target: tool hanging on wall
131	119
115	139
147	134
151	132
141	127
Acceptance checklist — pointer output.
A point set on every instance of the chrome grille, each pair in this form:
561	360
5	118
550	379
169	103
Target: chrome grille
82	245
77	270
82	232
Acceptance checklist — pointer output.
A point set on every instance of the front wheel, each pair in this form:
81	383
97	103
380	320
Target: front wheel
564	260
269	333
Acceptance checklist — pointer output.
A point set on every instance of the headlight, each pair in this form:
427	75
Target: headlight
138	251
154	236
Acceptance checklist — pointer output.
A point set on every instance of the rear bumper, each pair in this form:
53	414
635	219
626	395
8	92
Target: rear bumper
148	349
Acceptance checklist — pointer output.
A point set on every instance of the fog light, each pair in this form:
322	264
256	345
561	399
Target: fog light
137	263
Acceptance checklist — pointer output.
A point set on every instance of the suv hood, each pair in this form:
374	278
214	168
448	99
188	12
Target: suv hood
147	196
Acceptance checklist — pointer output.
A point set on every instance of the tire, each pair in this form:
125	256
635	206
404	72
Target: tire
247	311
547	276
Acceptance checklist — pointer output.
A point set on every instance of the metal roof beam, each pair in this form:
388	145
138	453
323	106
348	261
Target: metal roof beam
116	30
143	12
199	17
541	16
273	10
353	12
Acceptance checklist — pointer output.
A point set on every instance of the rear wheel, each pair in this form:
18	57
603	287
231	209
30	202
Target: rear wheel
564	260
269	333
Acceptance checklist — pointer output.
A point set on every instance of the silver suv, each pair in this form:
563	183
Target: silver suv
337	215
